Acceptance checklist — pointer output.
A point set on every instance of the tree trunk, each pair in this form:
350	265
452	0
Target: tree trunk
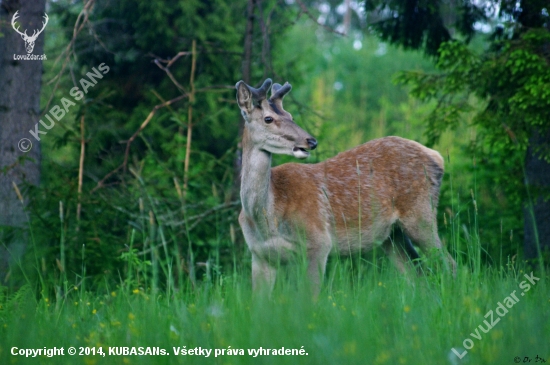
20	82
246	70
537	215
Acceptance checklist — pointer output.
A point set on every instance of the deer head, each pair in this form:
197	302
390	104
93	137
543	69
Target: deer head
29	40
269	127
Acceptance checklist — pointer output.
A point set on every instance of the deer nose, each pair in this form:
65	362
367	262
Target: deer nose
312	142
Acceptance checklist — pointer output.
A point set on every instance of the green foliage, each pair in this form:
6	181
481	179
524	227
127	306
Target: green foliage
508	90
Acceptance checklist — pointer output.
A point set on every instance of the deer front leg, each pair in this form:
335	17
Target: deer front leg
317	262
263	275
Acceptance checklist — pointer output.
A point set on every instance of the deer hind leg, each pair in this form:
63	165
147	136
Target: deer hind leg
399	249
263	275
422	230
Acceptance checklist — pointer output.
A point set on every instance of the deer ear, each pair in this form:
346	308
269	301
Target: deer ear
244	97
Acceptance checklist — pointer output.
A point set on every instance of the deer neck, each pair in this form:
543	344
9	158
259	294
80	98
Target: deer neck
256	193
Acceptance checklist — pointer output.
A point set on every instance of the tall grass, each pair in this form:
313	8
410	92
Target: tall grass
370	315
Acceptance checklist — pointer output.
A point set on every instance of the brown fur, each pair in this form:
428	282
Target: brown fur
396	179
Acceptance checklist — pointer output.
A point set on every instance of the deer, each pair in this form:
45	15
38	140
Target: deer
29	40
344	205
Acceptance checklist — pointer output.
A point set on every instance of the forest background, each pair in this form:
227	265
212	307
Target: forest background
143	169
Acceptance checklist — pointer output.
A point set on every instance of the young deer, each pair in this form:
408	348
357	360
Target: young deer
345	204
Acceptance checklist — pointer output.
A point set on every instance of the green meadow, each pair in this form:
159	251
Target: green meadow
367	313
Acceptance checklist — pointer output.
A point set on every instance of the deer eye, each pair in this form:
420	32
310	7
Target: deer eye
268	120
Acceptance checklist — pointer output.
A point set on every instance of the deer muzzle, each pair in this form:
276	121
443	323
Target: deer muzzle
303	152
